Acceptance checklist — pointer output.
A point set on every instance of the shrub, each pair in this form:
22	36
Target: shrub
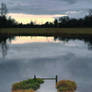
66	85
27	84
26	90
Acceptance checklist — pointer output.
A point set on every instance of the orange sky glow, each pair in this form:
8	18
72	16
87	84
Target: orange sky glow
38	19
22	40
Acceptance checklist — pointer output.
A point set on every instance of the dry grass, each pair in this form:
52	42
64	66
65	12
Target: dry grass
68	91
26	90
66	86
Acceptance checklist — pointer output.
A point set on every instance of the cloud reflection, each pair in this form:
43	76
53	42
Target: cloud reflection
46	60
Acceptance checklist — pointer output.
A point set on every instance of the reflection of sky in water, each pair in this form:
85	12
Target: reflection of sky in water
31	39
70	60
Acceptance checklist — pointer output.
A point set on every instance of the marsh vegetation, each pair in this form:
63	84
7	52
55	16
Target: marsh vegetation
32	84
66	86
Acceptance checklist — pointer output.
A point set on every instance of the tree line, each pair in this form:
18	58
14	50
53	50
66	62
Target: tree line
58	23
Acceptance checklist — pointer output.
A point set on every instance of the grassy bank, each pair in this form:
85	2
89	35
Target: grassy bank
46	31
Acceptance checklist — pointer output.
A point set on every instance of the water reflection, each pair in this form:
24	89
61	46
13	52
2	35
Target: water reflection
32	39
86	39
4	40
3	44
46	59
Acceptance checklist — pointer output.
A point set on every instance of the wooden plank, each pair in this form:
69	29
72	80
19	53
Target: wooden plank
56	78
48	78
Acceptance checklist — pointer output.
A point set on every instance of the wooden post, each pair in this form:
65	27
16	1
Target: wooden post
56	79
34	76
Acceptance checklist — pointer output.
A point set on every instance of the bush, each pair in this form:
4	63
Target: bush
28	84
26	90
66	85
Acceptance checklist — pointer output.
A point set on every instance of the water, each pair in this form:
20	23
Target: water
22	57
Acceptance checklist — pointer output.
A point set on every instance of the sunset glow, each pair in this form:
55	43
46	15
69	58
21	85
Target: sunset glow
38	19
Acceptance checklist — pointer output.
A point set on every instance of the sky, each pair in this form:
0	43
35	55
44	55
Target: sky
44	8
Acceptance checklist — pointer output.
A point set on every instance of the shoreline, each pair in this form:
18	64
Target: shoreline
46	31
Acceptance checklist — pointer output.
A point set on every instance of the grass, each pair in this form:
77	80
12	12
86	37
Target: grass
66	85
46	31
33	84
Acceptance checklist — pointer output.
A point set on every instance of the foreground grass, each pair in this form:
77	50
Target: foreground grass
46	31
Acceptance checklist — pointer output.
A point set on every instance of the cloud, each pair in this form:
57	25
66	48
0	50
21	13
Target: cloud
67	66
38	19
46	6
70	1
69	61
77	13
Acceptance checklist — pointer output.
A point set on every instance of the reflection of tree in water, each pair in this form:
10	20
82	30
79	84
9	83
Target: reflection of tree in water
4	48
86	39
89	42
3	44
4	39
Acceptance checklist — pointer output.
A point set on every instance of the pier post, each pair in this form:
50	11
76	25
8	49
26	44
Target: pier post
34	76
56	79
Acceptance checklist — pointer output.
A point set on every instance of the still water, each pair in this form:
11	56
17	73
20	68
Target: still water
23	57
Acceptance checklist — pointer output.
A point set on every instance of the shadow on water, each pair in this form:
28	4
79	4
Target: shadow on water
4	39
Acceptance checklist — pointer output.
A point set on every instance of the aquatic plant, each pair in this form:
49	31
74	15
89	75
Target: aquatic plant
26	90
66	86
28	84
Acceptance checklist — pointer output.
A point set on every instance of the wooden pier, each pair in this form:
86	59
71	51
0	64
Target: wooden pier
55	78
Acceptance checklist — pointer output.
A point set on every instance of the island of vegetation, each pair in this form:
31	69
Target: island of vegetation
66	86
29	85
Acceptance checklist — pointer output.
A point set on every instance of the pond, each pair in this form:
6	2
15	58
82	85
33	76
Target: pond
22	57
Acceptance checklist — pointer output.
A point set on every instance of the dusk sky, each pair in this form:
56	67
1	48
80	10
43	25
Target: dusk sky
46	9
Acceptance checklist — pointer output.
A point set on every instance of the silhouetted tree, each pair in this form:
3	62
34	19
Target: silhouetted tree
56	23
61	22
90	12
